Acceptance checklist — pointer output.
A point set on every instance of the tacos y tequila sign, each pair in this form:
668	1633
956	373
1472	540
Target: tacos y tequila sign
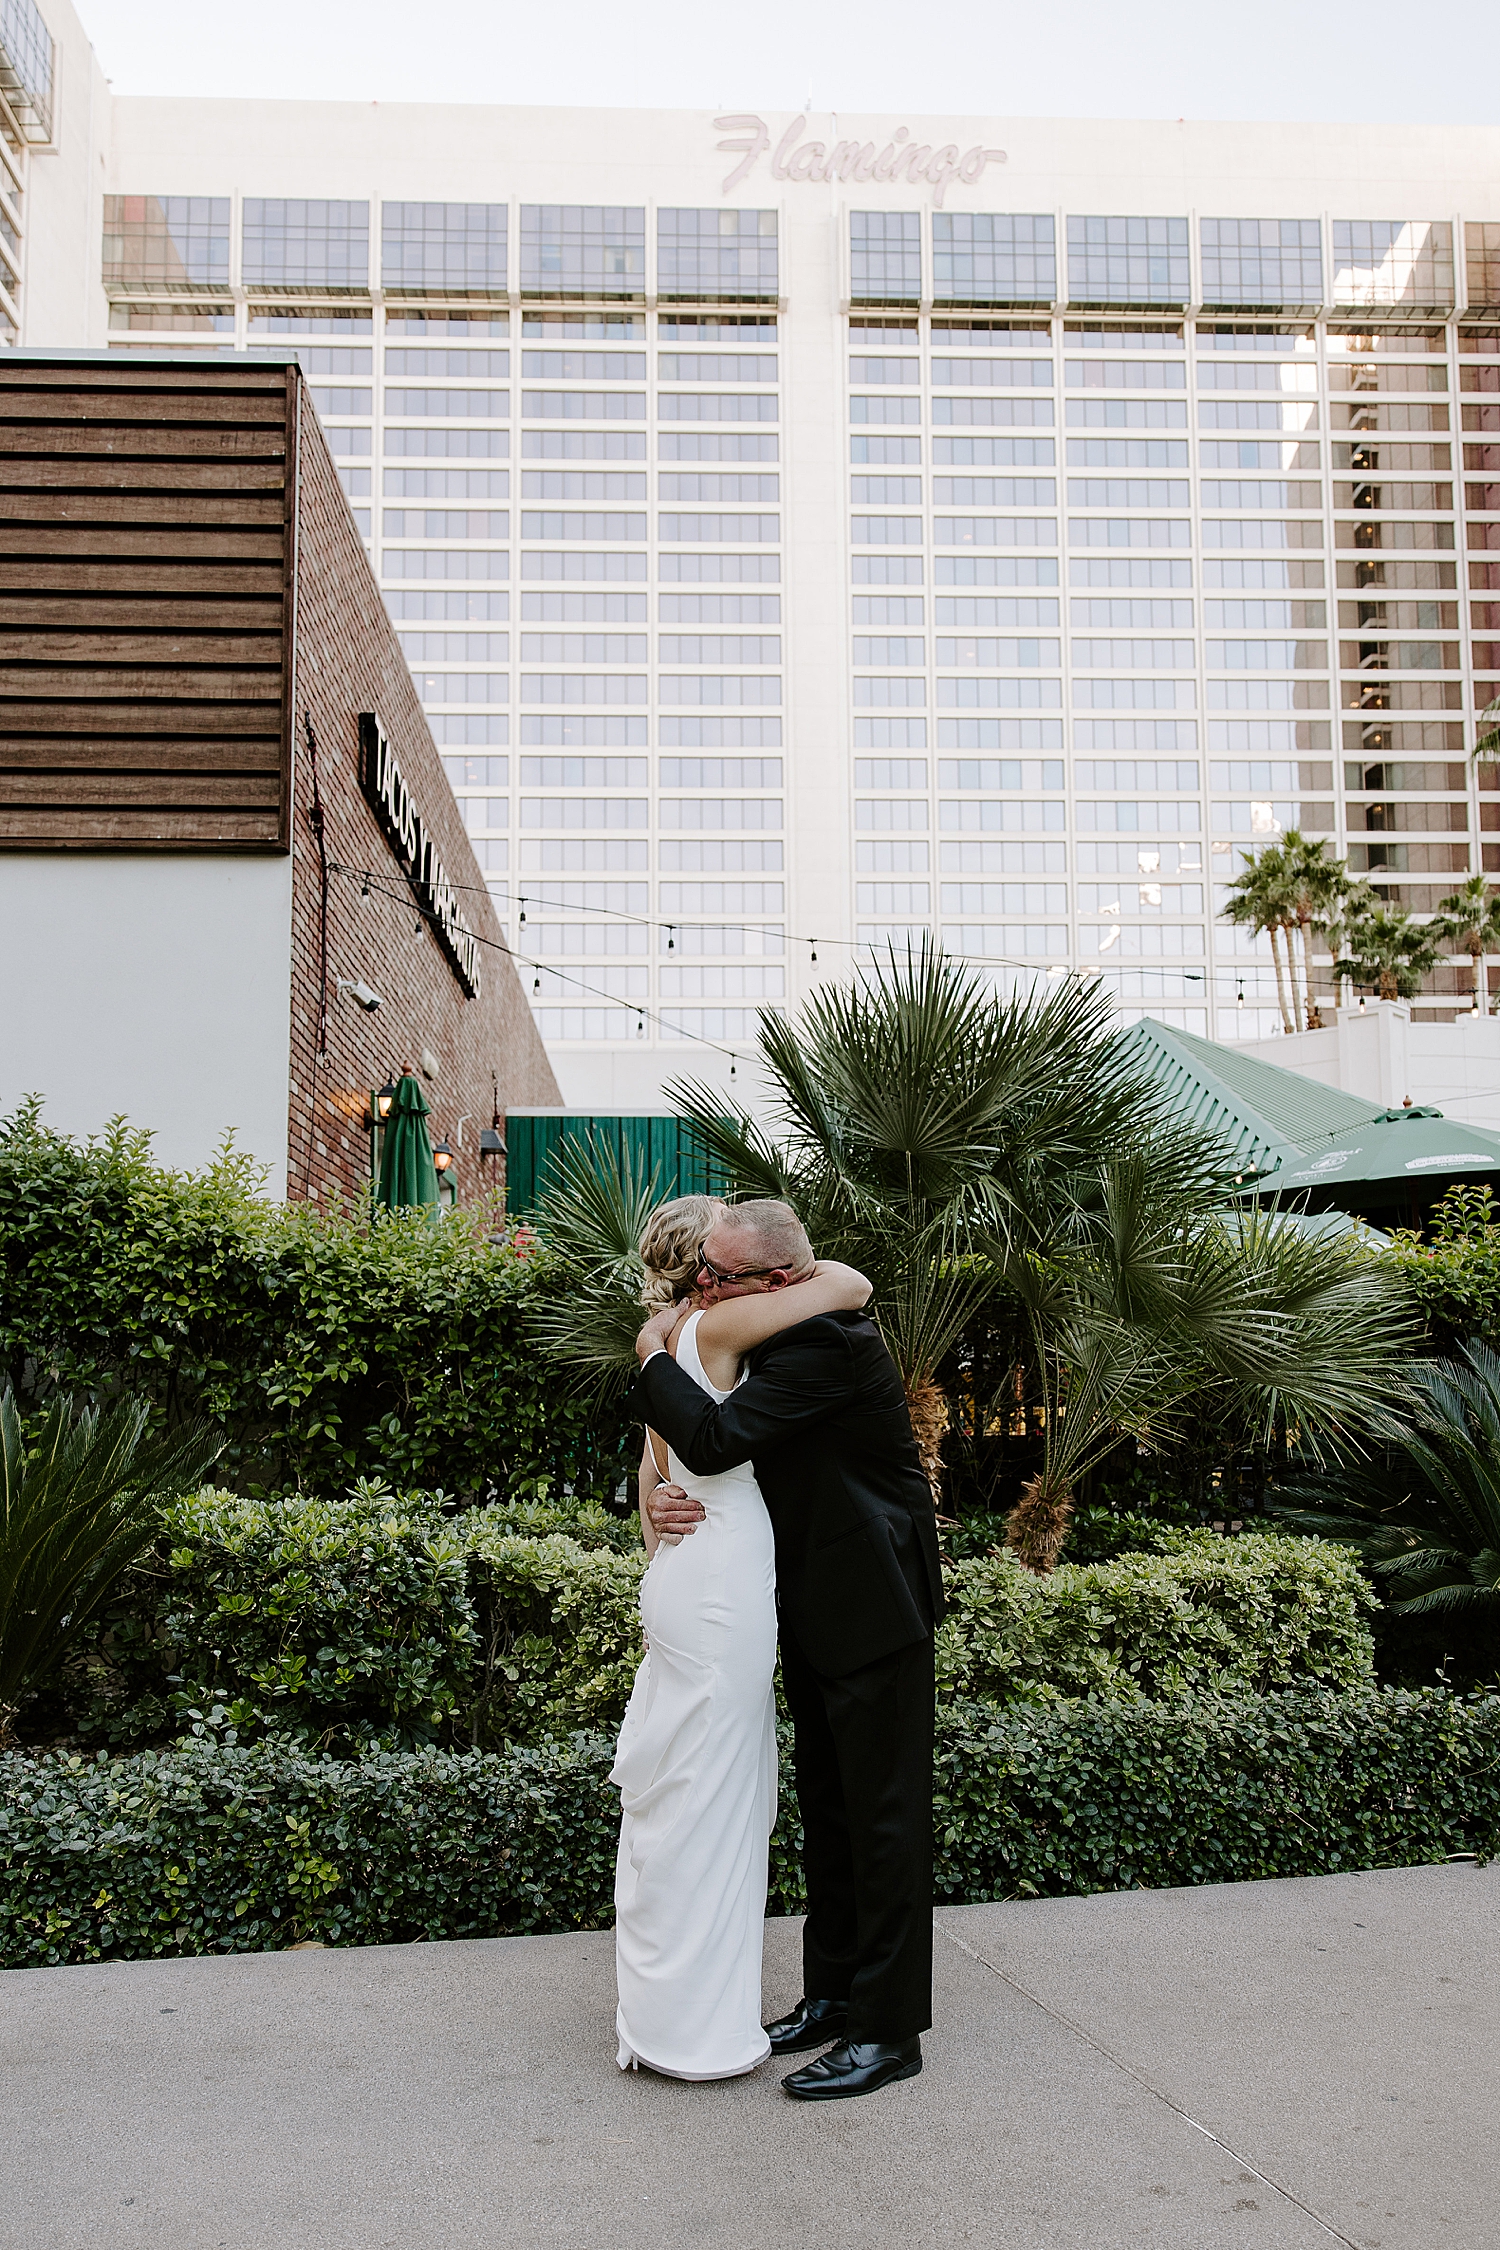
901	158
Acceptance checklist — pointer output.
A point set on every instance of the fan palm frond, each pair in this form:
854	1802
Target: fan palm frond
77	1504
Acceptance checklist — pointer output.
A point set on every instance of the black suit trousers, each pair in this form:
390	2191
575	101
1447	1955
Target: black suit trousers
863	1761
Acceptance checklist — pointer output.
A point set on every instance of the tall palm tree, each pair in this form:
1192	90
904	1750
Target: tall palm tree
1260	899
1352	902
1313	882
1391	951
1470	921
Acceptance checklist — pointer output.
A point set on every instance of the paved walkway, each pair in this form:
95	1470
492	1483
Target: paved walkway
1282	2066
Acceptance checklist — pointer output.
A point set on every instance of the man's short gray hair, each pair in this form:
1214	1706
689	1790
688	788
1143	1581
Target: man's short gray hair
778	1235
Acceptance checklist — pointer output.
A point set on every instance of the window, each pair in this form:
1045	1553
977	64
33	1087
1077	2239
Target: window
1262	262
166	241
716	254
442	245
1128	261
583	250
303	243
27	48
989	258
1393	262
885	256
1482	258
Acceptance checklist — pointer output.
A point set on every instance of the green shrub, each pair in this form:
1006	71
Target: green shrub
1452	1273
562	1632
378	1620
371	1620
212	1850
1260	1613
326	1346
343	1623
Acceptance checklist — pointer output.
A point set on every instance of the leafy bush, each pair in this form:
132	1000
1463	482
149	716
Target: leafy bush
382	1621
1452	1272
368	1621
212	1850
326	1346
562	1633
1259	1613
342	1622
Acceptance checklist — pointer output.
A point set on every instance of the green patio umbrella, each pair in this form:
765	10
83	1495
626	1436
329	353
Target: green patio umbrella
407	1174
1400	1162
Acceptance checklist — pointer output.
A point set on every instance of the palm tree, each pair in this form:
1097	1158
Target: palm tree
1427	1521
589	1221
1313	883
1352	902
1159	1309
77	1503
1260	899
1470	921
1391	951
916	1102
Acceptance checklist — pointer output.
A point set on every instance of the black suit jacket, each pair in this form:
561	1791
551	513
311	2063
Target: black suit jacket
823	1417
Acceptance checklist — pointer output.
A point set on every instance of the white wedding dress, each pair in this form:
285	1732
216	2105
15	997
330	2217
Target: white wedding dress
696	1770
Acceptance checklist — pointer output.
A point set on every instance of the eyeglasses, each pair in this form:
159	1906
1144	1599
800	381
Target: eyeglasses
746	1273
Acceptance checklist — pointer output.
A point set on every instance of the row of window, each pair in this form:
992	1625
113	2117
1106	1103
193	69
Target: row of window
156	242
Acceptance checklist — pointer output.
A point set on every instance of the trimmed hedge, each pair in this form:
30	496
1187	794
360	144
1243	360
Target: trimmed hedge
211	1850
326	1345
1202	1614
369	1622
384	1622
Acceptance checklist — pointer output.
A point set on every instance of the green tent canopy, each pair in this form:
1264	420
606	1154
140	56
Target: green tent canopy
408	1177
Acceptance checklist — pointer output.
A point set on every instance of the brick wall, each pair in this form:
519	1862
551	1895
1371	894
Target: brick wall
348	660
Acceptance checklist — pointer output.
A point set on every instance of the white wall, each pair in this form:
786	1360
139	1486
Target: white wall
159	988
62	299
1382	1056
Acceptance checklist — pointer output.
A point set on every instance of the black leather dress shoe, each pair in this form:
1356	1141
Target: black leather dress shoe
860	2066
812	2023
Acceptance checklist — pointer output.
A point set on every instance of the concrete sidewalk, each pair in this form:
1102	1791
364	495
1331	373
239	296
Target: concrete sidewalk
1277	2065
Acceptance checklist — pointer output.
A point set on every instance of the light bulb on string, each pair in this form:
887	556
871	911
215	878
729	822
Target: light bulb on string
640	1027
523	914
731	1066
814	945
671	940
364	888
536	984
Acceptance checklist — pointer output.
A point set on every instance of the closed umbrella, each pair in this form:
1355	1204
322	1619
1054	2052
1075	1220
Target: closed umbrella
407	1175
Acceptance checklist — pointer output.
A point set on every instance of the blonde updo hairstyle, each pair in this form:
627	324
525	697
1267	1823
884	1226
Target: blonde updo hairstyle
671	1246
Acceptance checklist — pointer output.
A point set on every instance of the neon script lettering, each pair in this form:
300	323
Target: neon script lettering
901	160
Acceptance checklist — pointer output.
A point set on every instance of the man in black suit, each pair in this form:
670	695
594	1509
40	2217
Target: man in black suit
822	1415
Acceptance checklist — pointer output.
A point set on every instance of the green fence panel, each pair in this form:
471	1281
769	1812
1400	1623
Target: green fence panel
661	1142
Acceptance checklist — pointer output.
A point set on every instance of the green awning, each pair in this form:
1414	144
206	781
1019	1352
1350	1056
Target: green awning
408	1177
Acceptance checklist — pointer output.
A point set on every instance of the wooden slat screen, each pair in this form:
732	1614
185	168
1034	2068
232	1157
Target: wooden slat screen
144	594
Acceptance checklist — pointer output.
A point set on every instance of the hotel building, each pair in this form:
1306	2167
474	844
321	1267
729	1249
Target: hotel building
808	531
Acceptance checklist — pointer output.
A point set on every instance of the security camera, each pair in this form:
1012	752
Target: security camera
366	995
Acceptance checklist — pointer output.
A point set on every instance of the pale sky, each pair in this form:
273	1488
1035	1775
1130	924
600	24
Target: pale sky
1405	61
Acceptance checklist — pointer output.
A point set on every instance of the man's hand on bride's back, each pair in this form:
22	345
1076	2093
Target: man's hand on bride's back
673	1514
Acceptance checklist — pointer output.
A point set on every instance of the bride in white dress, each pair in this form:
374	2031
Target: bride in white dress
696	1762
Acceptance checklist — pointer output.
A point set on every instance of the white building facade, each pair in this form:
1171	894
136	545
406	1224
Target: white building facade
808	531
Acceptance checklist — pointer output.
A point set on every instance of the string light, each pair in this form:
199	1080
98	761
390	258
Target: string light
814	944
